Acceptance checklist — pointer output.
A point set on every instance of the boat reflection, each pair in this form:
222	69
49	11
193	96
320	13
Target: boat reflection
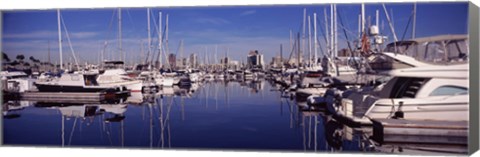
10	109
320	132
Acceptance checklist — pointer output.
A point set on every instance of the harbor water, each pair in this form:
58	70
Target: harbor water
250	115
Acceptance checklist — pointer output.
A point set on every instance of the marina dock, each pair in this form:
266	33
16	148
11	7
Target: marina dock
63	97
420	132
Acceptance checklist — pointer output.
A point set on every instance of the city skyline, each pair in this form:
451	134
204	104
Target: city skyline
236	28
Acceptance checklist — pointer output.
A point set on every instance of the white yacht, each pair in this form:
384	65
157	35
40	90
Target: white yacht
118	77
157	78
194	75
421	93
115	75
80	82
170	79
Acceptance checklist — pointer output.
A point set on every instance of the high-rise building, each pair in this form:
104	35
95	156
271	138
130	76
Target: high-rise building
224	60
193	61
255	59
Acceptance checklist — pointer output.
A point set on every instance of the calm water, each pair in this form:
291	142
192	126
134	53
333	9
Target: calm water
246	116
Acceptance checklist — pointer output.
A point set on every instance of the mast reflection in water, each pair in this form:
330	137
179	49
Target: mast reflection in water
247	115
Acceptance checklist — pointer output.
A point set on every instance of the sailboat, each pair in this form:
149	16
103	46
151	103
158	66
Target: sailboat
73	82
115	74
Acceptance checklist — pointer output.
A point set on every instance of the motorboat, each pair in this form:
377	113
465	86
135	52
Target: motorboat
78	83
438	93
117	76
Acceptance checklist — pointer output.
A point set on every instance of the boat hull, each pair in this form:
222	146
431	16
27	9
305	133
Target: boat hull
63	88
133	86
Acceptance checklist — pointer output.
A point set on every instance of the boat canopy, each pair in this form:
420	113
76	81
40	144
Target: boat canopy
433	49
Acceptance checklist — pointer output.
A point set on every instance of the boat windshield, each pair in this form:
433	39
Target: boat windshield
113	64
436	51
90	80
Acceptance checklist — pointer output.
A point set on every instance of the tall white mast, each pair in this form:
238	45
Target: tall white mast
160	39
166	35
291	43
335	48
60	39
149	40
181	53
360	26
331	31
326	32
120	32
315	38
166	42
363	17
215	62
414	19
205	57
377	18
309	42
390	23
304	29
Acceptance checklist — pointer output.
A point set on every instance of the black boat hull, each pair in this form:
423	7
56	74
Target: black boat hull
61	88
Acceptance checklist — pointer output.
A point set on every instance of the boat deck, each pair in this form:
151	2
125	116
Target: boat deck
420	131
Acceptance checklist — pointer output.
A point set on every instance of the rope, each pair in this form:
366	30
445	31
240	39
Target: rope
108	33
70	43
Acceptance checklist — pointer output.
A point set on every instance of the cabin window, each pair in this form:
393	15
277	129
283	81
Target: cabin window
90	80
449	90
406	87
457	50
434	52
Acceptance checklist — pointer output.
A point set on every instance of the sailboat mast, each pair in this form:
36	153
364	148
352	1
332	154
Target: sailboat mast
363	18
215	62
390	24
226	56
49	51
120	32
326	31
315	38
205	57
281	55
298	50
414	19
304	29
60	39
149	40
181	53
166	34
309	41
291	40
360	26
335	46
160	40
166	40
331	30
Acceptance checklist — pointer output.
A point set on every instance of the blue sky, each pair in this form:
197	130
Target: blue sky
239	28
